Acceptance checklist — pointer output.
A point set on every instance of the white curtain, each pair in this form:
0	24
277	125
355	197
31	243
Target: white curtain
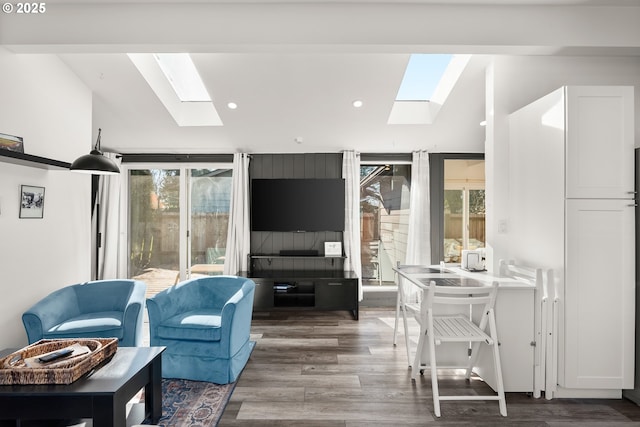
238	233
108	209
351	175
419	239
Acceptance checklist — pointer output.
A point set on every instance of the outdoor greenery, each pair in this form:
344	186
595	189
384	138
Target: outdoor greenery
155	216
453	201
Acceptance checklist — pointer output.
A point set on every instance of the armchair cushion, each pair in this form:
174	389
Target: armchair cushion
107	323
196	325
98	309
204	323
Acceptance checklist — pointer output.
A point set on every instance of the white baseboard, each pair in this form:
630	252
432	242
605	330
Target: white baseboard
578	393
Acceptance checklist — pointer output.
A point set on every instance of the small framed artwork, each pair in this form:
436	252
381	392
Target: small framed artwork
31	201
332	249
11	143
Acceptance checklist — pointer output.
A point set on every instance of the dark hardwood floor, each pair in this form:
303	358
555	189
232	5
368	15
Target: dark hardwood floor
325	369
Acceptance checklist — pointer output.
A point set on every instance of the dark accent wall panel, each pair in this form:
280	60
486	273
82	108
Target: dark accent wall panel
308	165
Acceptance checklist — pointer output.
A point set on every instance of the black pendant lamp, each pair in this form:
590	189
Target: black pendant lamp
95	162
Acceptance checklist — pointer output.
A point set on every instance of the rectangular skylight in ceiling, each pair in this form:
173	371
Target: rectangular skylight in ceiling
423	73
190	108
183	76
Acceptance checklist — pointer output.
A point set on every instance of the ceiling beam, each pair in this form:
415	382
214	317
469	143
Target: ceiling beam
102	27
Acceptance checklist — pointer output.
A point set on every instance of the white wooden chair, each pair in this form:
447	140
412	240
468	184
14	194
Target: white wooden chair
545	344
408	301
436	329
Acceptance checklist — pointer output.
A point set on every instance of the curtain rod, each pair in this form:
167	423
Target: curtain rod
176	158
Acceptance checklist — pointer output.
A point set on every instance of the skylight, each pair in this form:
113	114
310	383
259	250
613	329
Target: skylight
422	75
183	76
428	81
183	95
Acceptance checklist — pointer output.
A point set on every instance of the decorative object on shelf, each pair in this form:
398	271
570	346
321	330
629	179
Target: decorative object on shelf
31	201
11	143
95	162
332	248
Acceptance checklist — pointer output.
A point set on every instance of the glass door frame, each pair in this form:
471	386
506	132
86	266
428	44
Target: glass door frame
436	188
184	239
384	160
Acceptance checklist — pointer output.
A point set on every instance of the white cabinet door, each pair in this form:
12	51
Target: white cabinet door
600	142
599	295
514	312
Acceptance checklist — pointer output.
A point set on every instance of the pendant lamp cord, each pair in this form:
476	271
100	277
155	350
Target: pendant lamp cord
97	146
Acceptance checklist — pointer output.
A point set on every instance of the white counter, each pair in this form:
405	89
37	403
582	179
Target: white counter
515	321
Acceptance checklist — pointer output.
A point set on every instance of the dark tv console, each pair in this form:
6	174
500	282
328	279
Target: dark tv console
305	289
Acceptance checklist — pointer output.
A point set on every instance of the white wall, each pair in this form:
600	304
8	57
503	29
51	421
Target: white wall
516	81
47	105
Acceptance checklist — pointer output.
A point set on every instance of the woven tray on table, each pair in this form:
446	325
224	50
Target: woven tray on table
13	369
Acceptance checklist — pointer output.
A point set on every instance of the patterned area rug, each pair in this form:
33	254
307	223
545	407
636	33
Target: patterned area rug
193	403
188	403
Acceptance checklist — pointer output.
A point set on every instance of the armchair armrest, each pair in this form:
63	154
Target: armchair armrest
236	317
50	311
132	318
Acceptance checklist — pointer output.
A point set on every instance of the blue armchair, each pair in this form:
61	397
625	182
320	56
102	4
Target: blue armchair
204	323
99	309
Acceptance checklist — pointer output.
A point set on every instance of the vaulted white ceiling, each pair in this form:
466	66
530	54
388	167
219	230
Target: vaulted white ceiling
295	67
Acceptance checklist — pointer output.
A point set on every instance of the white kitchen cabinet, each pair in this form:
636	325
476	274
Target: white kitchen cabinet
599	315
570	193
599	142
514	312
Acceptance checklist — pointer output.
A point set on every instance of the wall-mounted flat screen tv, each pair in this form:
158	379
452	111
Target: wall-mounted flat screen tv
297	204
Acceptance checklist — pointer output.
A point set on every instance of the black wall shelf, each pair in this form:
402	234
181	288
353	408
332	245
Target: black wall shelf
296	257
32	161
271	257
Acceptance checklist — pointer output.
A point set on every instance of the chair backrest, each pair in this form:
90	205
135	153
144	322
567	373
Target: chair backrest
200	292
104	295
484	297
462	295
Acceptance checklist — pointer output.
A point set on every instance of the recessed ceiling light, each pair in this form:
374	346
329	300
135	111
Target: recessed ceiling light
483	123
357	103
232	105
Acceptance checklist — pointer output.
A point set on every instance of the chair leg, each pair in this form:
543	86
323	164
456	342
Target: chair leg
400	307
395	325
406	335
417	361
475	349
434	375
498	366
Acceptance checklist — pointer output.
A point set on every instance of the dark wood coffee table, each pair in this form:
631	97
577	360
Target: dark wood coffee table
101	395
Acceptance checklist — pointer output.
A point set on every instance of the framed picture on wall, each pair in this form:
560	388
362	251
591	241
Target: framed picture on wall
11	143
31	201
332	249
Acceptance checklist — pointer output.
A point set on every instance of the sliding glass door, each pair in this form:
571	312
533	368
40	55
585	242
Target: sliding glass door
210	198
384	219
457	190
178	220
464	207
154	226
